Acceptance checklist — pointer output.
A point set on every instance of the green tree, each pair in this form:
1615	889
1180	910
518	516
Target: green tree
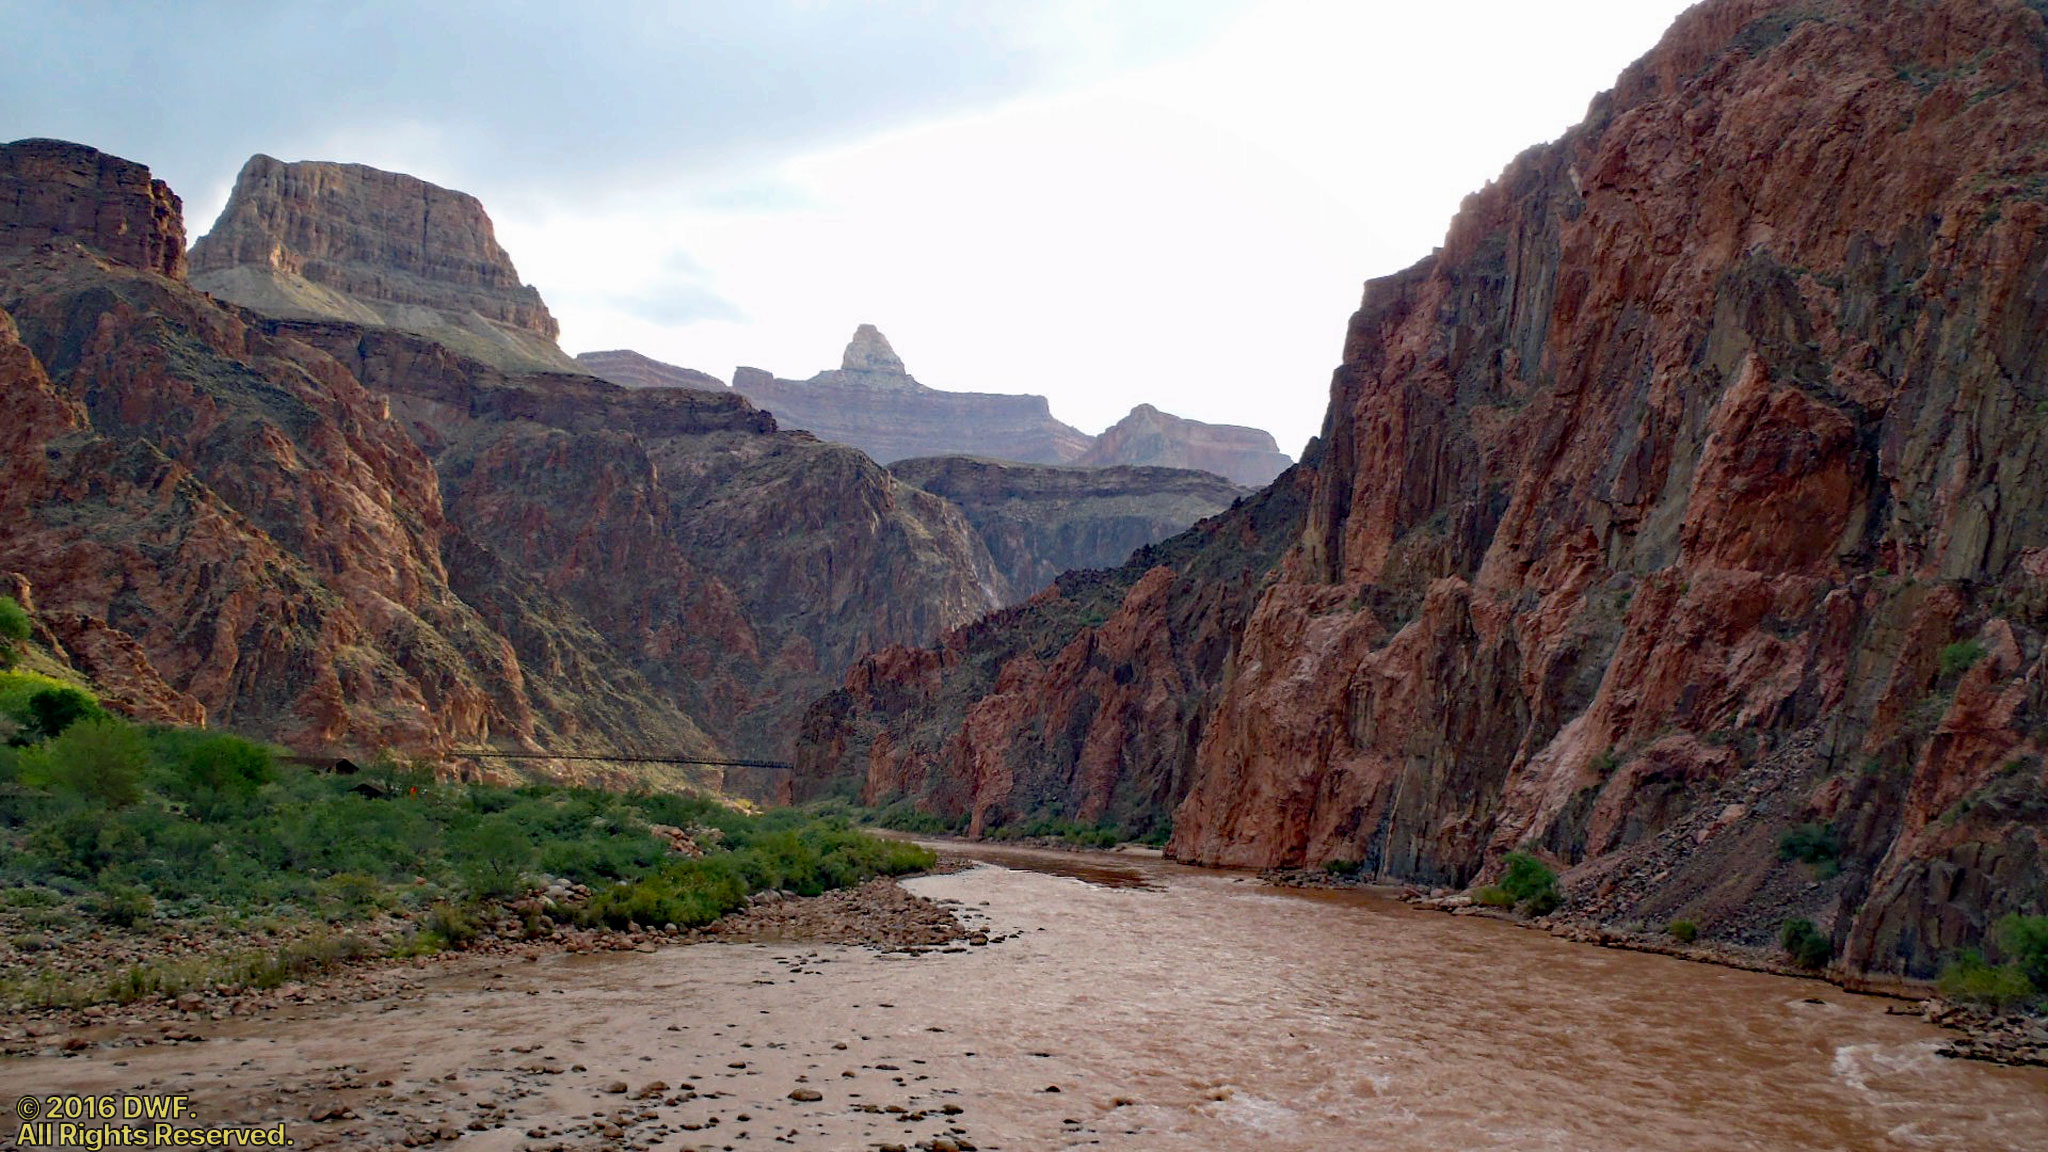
492	855
100	760
222	773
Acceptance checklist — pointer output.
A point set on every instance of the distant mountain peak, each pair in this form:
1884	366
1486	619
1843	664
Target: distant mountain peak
869	351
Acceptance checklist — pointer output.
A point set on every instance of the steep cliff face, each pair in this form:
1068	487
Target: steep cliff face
1150	437
1041	520
347	242
1685	496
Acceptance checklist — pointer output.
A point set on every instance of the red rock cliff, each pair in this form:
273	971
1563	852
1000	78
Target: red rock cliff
1688	494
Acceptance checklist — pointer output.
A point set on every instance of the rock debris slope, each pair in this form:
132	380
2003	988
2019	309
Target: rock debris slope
1689	494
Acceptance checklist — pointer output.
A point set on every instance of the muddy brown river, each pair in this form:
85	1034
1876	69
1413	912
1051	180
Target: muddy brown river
1140	1005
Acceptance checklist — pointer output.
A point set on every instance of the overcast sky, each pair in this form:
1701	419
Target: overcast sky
1109	203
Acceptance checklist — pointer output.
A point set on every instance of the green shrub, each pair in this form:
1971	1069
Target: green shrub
352	894
1494	896
1344	868
448	925
2024	940
1805	944
14	628
1813	844
1531	883
1685	931
42	708
1960	657
123	905
1970	980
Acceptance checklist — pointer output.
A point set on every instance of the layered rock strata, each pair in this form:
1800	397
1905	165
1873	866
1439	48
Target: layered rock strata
1040	520
346	242
1685	499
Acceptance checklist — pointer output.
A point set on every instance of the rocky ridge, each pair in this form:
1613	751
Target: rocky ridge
1677	503
629	369
1160	439
347	242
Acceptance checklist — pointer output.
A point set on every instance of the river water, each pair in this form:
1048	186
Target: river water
1172	1008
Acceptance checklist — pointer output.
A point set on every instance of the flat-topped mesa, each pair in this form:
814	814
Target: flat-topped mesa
316	240
1161	439
54	189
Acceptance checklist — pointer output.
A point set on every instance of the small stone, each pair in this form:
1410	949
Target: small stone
615	1087
807	1095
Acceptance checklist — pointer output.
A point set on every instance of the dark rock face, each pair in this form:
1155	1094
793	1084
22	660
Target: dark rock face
1688	495
1041	520
347	242
1148	436
629	369
53	190
352	538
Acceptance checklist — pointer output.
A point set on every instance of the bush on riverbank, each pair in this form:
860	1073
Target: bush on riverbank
1805	944
2021	981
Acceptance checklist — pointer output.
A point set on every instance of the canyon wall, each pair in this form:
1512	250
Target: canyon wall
1687	496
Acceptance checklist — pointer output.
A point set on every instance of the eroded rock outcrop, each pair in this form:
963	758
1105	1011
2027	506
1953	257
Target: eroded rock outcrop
1039	520
316	240
1687	496
57	190
1160	439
